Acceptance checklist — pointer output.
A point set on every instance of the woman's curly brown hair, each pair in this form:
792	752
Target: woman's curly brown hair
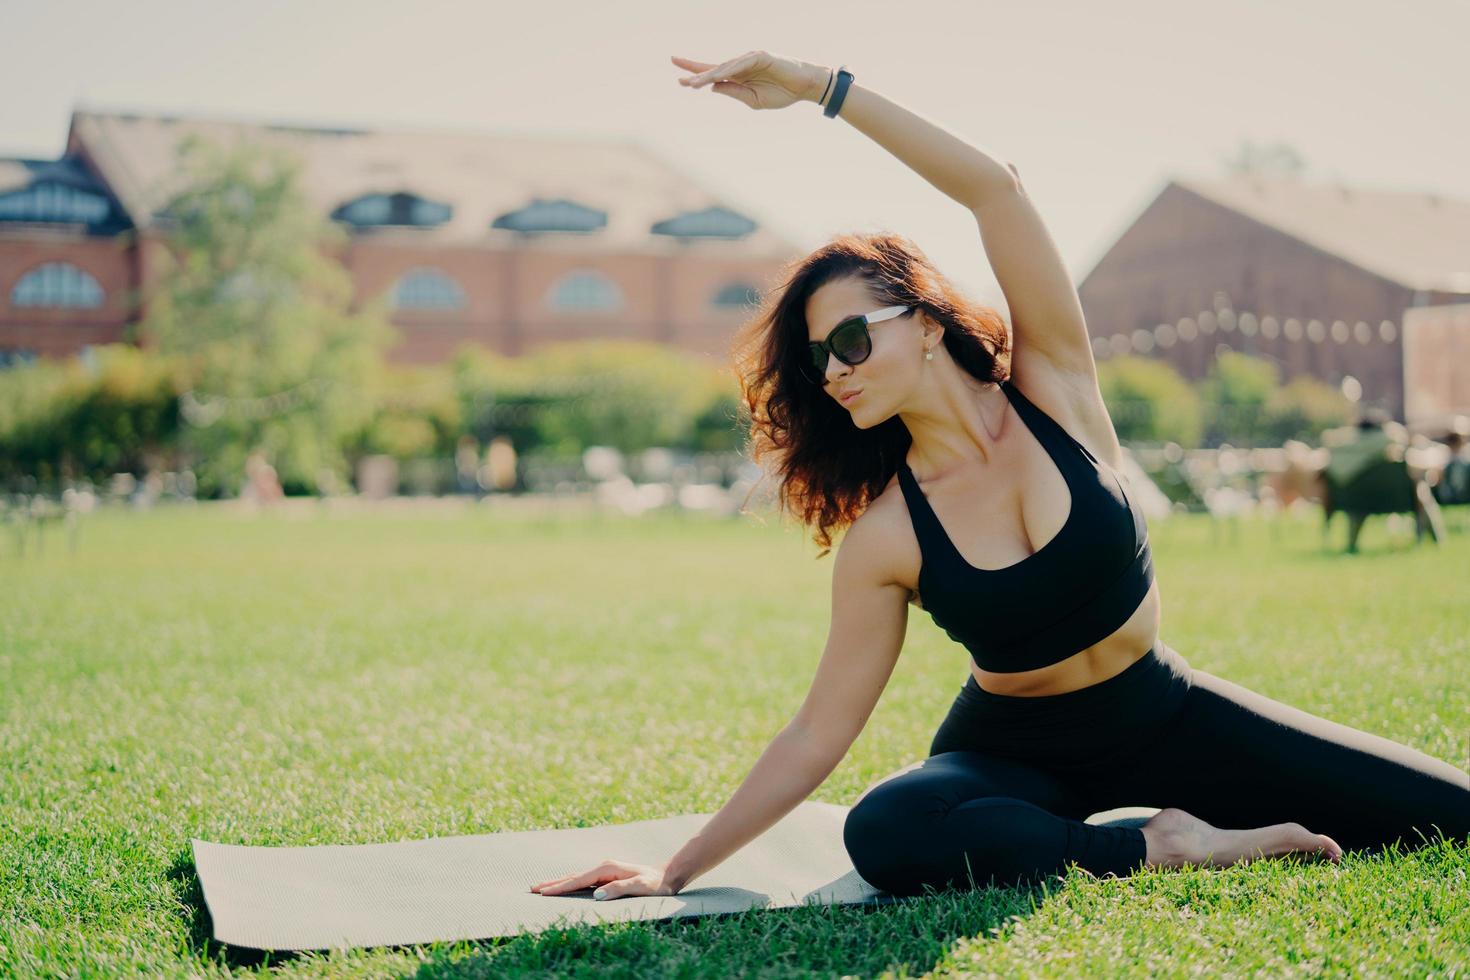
829	469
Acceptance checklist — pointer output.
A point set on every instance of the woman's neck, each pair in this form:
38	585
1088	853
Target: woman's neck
956	421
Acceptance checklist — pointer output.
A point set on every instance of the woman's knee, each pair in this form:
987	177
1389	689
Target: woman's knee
882	828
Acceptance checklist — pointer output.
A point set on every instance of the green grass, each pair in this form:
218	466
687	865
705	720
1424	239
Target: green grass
334	679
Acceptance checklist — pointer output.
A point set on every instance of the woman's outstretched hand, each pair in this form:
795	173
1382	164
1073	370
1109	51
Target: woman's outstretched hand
616	879
759	79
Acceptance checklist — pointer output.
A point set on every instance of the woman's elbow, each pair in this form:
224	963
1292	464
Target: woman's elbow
827	743
997	186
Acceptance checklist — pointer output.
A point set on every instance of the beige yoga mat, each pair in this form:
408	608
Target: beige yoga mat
478	887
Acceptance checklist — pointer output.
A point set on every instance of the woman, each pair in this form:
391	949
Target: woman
976	475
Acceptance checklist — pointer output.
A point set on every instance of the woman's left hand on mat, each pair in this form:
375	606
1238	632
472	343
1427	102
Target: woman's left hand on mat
615	879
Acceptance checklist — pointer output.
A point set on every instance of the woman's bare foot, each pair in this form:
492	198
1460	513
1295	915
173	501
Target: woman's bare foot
1175	838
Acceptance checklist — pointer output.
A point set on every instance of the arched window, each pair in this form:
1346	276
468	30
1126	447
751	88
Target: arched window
425	212
402	208
57	284
583	291
559	214
374	209
737	295
715	222
427	289
53	202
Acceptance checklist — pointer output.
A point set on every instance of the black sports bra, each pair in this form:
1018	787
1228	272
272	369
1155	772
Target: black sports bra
1075	591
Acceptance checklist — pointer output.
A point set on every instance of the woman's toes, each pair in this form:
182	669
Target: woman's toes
1299	838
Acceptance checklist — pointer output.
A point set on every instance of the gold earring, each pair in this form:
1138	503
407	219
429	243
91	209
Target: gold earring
928	354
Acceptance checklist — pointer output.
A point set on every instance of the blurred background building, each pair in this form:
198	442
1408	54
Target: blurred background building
510	241
506	241
1353	287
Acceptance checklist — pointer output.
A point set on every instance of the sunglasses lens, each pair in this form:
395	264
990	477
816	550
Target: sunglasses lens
814	364
850	342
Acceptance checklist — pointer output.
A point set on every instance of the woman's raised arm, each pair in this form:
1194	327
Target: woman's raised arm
1046	313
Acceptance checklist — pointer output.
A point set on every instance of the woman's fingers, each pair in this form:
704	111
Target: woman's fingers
721	72
551	882
604	872
570	883
619	888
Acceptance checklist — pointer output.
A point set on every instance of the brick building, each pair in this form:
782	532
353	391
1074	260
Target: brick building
507	241
1316	278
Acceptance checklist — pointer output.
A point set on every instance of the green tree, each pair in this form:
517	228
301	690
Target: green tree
1237	394
1149	401
260	316
1304	407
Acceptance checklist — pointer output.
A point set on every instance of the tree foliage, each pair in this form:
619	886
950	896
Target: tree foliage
1149	401
261	320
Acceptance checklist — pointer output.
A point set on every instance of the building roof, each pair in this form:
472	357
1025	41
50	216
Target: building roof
17	173
481	175
27	188
1421	241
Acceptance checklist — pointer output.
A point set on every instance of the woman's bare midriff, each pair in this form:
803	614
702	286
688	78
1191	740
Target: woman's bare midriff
1090	666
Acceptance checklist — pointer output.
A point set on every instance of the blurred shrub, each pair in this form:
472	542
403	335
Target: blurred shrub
88	416
416	412
630	395
1149	401
1304	407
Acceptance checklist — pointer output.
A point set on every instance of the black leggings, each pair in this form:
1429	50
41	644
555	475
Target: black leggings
1009	781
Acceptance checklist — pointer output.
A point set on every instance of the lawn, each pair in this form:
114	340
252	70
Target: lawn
331	678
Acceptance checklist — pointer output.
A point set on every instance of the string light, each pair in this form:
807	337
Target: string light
1206	322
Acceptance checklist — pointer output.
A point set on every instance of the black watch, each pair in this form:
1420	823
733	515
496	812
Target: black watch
839	92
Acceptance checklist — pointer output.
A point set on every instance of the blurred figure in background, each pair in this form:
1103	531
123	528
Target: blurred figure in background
499	471
1454	479
1369	473
1375	433
467	466
262	487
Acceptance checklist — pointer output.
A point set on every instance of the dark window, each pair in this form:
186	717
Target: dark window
57	284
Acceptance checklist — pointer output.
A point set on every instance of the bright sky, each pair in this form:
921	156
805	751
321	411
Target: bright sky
1097	104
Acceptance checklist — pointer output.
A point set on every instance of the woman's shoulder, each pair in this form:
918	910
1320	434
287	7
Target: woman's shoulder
882	537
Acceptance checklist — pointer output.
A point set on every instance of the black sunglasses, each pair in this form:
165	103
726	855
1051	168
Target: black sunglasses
849	342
